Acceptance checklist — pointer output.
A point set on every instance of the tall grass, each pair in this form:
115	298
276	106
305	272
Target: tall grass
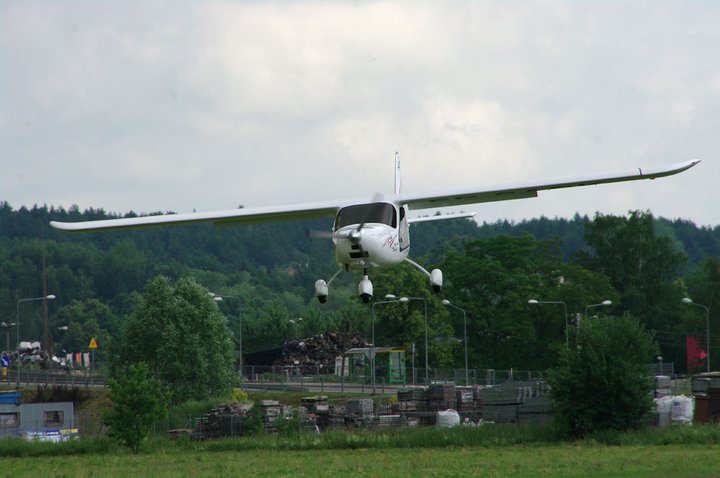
488	436
700	434
18	447
179	416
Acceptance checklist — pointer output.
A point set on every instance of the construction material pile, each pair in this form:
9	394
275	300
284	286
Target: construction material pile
466	400
317	410
442	397
225	421
270	411
509	402
231	419
316	355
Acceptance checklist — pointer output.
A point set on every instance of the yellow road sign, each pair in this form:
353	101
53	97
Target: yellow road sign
93	344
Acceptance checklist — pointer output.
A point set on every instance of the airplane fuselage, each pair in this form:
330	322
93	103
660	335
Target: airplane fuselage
378	247
367	236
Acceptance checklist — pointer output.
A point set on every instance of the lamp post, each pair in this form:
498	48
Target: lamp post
219	298
407	299
372	349
7	328
687	300
533	301
450	304
17	329
601	304
295	323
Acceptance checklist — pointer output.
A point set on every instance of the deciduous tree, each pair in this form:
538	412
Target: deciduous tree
179	332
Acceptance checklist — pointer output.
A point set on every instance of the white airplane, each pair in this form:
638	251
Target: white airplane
368	235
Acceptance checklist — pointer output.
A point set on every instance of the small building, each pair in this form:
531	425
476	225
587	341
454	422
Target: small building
53	421
389	364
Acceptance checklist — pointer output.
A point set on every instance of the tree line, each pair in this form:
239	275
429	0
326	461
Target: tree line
643	265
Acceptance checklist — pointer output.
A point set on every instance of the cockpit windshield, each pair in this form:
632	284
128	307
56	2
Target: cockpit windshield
379	212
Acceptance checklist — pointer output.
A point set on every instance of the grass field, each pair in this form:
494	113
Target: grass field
550	460
490	450
512	450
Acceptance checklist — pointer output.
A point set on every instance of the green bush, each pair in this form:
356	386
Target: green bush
138	402
603	382
290	425
254	423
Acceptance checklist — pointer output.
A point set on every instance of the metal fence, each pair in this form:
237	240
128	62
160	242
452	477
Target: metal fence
289	377
285	378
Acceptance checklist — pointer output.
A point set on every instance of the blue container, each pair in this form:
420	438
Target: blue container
10	397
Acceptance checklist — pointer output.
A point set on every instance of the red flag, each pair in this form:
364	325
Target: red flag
695	355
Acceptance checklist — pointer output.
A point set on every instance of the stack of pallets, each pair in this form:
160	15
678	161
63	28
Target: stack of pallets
465	399
441	397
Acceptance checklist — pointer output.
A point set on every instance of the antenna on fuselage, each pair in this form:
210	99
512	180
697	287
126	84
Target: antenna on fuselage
398	182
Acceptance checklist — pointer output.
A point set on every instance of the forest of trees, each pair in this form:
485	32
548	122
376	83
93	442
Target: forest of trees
644	265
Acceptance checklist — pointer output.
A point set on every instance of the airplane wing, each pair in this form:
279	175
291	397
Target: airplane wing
233	217
505	192
329	209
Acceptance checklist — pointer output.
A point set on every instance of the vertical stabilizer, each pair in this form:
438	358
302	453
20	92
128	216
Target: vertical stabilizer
398	182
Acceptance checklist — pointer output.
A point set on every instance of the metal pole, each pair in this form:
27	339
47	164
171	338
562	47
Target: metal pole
567	340
17	329
447	302
372	349
240	338
221	297
413	362
707	329
427	367
687	300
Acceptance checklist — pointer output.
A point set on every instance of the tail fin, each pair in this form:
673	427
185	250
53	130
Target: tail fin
398	181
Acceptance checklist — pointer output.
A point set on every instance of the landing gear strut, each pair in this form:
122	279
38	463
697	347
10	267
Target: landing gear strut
435	276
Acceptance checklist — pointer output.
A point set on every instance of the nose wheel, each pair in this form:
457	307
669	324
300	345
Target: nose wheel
365	289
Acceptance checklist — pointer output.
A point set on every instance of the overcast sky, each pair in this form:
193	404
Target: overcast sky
180	106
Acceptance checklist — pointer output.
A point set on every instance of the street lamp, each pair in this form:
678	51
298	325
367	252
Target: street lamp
295	323
219	298
533	301
7	328
687	300
407	299
449	304
17	329
372	349
601	304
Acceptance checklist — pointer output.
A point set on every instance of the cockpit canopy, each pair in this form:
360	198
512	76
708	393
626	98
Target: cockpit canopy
379	213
